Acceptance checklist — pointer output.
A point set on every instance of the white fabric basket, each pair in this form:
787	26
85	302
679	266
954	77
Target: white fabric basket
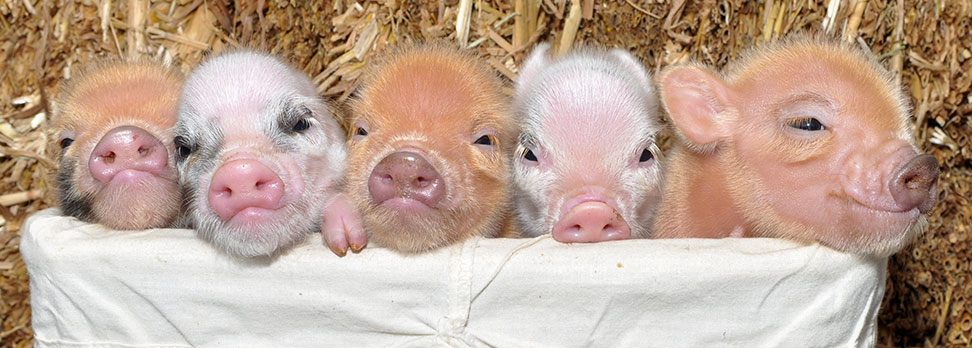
166	288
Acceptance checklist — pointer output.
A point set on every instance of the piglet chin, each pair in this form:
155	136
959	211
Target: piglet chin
156	204
131	177
854	227
254	232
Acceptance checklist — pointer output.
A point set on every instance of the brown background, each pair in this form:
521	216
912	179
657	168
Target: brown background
927	43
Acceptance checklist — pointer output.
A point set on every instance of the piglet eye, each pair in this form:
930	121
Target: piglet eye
182	147
646	156
529	156
66	142
807	124
485	140
301	125
360	131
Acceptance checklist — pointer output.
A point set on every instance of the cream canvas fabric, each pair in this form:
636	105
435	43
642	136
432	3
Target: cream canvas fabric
166	288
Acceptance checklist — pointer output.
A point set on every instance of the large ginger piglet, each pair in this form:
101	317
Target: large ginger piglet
586	167
803	139
426	160
261	158
113	131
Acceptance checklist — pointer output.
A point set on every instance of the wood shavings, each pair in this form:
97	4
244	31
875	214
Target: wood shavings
20	197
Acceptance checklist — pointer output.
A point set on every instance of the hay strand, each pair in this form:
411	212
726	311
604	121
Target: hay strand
571	24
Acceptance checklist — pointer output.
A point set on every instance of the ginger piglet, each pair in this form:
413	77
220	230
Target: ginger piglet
804	139
427	166
113	134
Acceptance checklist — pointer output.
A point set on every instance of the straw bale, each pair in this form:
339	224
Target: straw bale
927	43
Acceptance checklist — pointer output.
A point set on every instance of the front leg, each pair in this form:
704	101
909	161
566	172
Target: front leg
342	227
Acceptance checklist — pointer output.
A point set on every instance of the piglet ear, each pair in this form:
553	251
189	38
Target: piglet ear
531	67
635	68
695	99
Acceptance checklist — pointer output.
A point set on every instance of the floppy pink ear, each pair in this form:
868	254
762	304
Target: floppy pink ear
695	99
532	65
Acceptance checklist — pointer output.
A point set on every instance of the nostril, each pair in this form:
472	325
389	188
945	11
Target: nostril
225	190
914	184
143	151
911	182
109	158
422	181
387	178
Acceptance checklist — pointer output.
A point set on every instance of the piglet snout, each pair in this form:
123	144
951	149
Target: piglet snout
242	184
130	150
405	174
591	222
916	184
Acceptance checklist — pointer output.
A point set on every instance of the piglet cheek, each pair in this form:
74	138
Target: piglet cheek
798	191
293	179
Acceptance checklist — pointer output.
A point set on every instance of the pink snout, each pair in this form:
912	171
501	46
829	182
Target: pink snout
591	222
127	152
242	184
406	175
915	184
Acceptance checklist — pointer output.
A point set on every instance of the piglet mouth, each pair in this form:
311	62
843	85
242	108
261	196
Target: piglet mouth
252	216
869	210
134	177
405	205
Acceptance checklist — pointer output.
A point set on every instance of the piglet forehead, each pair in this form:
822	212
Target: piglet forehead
424	93
237	86
590	115
124	101
121	93
854	87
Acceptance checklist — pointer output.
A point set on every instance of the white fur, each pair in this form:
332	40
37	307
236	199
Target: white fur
591	113
231	106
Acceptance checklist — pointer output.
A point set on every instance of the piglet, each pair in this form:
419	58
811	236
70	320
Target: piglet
586	168
426	160
805	139
113	131
261	158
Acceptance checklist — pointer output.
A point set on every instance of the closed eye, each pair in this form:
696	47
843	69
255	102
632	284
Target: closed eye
807	124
